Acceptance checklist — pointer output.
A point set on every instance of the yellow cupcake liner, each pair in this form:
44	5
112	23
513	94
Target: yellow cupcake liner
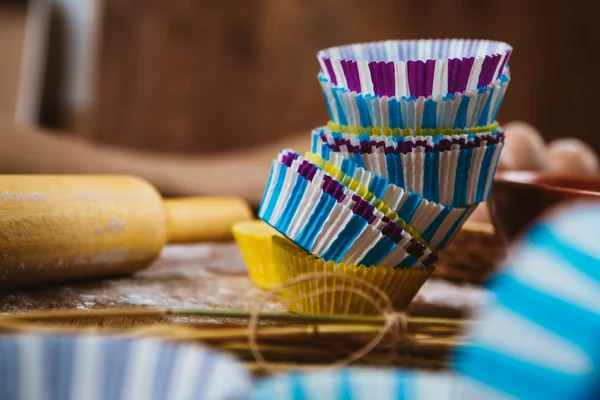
307	297
254	239
380	130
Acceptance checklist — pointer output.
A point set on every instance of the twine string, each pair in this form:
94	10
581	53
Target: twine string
394	322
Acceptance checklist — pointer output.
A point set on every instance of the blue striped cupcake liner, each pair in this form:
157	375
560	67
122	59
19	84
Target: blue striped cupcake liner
373	384
312	172
537	338
39	367
455	175
330	221
404	68
437	223
356	384
457	111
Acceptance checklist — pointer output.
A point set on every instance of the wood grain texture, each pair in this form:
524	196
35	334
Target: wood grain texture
210	275
192	76
12	38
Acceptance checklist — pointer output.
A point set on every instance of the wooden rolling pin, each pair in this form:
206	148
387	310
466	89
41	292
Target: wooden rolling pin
63	227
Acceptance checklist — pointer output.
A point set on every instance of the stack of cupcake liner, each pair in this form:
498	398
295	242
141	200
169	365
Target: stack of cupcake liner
411	149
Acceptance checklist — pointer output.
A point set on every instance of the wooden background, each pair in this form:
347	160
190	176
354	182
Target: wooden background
12	38
198	76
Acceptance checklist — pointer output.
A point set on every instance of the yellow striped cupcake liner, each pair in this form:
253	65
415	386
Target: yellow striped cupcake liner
380	130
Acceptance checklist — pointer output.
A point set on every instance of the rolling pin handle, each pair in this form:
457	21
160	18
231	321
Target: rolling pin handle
198	219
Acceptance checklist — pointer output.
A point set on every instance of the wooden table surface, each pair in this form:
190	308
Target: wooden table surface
204	276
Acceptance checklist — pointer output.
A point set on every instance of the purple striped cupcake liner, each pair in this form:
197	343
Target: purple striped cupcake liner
453	173
330	221
436	223
430	67
366	144
452	111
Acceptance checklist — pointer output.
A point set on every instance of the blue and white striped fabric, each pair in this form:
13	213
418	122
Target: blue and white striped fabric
461	110
456	177
38	367
436	222
539	337
330	221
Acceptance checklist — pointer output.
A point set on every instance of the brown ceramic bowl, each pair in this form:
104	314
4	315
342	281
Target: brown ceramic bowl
520	198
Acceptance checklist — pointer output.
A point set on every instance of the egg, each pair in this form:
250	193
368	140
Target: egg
572	156
507	160
524	148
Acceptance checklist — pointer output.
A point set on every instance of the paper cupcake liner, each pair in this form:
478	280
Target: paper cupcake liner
312	172
330	221
367	383
435	222
96	367
254	238
365	143
410	132
304	167
399	284
415	67
461	110
456	177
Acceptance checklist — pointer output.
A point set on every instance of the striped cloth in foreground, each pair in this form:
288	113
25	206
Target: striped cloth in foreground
37	367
